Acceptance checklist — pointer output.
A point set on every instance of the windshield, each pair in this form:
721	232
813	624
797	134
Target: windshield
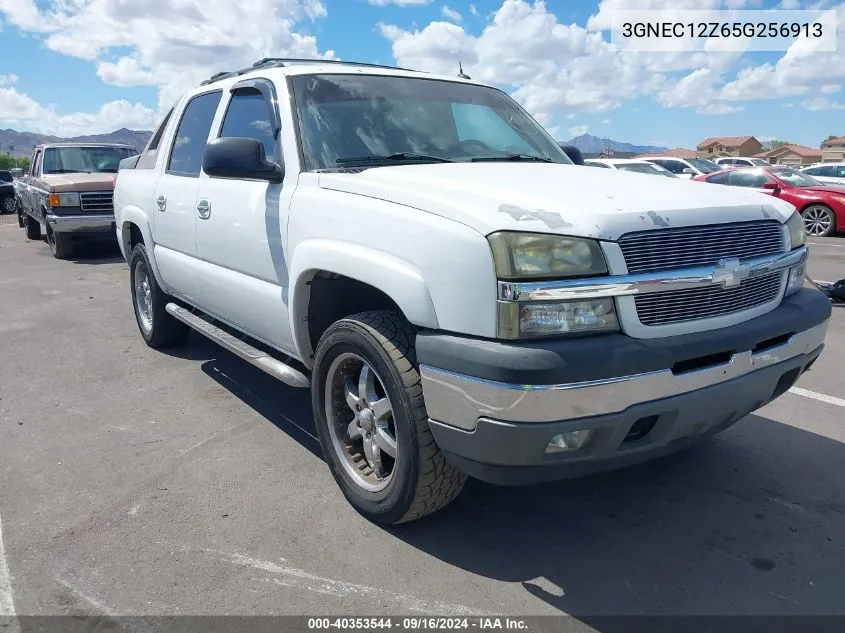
795	178
703	165
348	119
644	168
5	176
760	162
66	160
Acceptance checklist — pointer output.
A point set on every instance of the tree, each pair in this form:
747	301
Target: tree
7	161
829	136
776	143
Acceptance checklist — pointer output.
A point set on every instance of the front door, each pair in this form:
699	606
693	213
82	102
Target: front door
174	202
241	229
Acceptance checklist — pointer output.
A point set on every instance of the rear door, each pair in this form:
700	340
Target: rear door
242	226
174	202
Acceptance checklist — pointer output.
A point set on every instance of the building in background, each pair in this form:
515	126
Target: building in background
792	154
717	146
833	150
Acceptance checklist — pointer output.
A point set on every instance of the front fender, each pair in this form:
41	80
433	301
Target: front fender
136	216
397	278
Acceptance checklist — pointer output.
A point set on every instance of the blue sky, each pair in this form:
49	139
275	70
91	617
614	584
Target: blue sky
95	65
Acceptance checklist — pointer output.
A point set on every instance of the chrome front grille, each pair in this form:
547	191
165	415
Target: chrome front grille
96	202
703	246
667	249
704	303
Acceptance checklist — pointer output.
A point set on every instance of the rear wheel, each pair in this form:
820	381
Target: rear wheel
818	220
21	216
158	328
8	205
33	228
61	245
372	423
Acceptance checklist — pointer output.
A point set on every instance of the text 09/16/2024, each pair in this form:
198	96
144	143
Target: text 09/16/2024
729	30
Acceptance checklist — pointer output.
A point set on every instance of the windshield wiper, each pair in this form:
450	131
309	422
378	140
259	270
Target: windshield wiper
511	158
399	156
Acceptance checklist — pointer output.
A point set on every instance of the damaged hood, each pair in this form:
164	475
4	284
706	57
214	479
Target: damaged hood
565	199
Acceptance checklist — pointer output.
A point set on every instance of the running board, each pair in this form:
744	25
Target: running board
250	354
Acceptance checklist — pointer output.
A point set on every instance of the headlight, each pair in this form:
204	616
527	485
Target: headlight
63	199
797	232
517	320
537	255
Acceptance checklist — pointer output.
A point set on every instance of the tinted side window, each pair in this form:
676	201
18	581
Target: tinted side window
839	171
719	179
192	135
675	166
248	116
35	168
821	171
150	153
727	161
748	179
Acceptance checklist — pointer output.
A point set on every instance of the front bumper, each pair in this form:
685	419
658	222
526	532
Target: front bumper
494	407
81	223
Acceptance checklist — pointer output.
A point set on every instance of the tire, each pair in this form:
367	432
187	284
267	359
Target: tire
8	204
158	328
61	245
33	228
819	220
21	216
420	480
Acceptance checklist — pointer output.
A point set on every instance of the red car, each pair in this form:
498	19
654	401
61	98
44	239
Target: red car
821	206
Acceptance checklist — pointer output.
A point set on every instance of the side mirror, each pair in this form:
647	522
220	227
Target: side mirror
771	185
242	158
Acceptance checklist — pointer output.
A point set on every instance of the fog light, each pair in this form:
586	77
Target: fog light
569	441
796	278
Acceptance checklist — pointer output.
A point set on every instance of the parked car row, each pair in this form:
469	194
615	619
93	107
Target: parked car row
821	206
67	193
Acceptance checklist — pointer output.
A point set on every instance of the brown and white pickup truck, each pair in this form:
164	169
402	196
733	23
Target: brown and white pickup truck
67	193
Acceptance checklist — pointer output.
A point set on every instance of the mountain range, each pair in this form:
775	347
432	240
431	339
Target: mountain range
589	144
20	144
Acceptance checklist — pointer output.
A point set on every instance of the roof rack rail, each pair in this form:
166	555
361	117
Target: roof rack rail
277	62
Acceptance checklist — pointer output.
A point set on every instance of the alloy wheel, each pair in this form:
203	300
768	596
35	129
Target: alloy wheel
817	220
143	296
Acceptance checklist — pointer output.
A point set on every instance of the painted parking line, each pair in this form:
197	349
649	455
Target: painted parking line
826	244
7	605
839	402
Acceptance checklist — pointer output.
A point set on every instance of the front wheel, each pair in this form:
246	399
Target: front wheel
158	328
818	220
61	245
33	228
372	423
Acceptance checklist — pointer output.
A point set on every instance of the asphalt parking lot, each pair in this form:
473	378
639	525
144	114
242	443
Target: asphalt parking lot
138	482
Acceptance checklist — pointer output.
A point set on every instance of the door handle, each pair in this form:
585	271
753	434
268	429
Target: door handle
204	209
161	201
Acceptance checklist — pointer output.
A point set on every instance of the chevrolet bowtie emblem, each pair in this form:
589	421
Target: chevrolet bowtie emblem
730	272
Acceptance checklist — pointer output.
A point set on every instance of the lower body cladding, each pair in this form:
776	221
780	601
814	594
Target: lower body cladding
83	225
518	413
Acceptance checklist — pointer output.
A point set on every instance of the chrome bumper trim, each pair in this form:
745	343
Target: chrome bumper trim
460	400
80	223
647	283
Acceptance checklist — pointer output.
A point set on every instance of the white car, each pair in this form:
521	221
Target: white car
458	296
741	161
827	173
685	167
629	164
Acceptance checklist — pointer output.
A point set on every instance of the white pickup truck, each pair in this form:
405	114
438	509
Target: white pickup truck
459	297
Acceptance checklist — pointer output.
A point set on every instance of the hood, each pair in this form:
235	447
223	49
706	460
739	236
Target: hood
80	182
565	199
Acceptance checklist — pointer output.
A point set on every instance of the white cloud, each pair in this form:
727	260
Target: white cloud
17	108
830	89
401	3
605	121
474	10
821	103
8	80
450	14
718	108
578	130
173	44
